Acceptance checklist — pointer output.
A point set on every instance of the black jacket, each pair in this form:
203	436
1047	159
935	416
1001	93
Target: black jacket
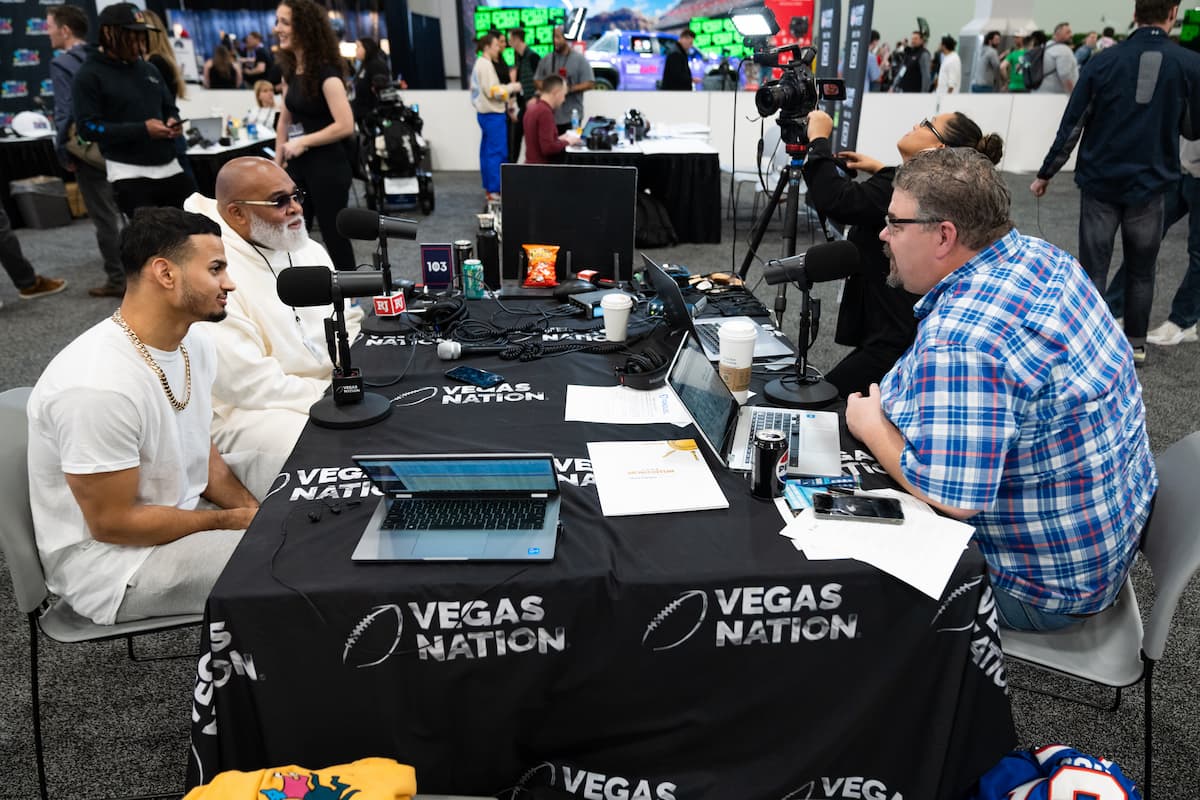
677	75
1130	147
365	99
112	102
873	316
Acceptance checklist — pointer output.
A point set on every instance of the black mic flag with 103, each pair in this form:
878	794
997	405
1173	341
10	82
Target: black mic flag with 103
820	263
318	286
362	223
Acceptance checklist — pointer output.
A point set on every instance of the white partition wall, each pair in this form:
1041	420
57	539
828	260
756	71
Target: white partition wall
1027	122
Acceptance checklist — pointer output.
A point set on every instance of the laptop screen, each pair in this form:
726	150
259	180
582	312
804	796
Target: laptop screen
675	309
701	390
429	473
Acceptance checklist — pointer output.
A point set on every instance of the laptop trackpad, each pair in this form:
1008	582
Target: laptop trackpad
450	544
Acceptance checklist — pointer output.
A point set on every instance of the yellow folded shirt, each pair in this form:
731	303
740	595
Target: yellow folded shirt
365	779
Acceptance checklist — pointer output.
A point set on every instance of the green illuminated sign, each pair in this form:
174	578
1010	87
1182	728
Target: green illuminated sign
538	24
716	36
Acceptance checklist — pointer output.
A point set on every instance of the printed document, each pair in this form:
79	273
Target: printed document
653	478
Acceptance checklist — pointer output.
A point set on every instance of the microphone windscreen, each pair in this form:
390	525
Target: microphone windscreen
448	350
305	286
831	261
358	223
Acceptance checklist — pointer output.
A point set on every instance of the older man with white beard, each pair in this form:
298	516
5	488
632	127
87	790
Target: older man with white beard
272	359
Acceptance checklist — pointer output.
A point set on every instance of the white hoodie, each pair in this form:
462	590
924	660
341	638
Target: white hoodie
272	360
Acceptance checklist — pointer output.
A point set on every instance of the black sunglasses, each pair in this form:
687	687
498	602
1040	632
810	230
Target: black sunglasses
279	203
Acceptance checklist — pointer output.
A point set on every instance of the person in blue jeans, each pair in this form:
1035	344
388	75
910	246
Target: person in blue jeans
29	284
490	95
1182	201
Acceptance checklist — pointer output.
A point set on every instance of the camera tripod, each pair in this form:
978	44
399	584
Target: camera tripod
805	388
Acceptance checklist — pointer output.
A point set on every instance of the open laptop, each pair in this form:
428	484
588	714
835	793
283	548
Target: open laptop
475	506
814	442
208	127
707	330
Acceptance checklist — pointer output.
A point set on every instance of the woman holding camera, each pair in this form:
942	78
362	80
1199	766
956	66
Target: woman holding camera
312	136
875	318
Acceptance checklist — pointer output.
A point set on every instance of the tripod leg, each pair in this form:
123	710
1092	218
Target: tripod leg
761	223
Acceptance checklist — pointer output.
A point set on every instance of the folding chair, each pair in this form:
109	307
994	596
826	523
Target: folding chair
1112	648
47	615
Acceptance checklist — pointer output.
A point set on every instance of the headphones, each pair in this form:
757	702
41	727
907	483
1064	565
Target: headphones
646	370
442	313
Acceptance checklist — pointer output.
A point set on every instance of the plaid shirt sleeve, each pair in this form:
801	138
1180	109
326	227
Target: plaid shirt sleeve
955	408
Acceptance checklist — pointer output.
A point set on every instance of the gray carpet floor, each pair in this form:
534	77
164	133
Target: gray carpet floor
115	727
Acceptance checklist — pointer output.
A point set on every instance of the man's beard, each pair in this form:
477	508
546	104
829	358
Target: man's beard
277	237
197	304
893	278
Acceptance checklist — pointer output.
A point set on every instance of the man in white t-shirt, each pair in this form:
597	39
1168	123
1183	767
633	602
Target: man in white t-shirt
272	359
949	79
134	510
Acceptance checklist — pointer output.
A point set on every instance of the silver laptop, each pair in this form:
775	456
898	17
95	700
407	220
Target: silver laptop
476	506
208	127
814	443
768	345
707	330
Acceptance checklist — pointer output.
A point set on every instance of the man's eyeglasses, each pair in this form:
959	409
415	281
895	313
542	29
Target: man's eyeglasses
279	203
894	223
927	124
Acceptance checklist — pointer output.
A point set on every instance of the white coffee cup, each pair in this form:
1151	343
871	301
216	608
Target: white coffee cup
617	306
737	357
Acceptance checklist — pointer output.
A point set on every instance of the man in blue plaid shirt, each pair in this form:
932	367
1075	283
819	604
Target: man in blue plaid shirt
1017	407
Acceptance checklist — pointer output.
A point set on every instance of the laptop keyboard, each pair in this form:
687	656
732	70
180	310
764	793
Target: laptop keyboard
710	335
513	514
765	420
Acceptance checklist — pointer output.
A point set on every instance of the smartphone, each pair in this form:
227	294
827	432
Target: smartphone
858	507
476	377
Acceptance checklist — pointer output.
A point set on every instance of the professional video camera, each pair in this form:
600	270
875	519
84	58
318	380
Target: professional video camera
795	93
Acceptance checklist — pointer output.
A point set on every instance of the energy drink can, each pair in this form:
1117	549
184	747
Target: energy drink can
768	464
462	251
472	273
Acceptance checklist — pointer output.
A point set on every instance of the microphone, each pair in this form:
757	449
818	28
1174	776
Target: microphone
318	286
820	263
362	223
452	351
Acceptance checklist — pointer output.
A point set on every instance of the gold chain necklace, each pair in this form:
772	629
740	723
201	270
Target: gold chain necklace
162	376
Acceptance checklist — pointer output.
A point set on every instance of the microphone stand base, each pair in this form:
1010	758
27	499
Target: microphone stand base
792	392
327	414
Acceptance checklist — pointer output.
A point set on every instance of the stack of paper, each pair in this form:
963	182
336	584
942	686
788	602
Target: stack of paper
922	552
620	405
653	478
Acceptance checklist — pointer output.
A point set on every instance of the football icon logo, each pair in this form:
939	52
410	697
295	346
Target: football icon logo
277	484
677	622
414	397
962	591
375	637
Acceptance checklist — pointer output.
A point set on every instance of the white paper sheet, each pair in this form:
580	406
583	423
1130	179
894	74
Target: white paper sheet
658	477
620	405
922	552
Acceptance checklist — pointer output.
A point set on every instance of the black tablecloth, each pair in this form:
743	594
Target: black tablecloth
25	158
691	655
688	184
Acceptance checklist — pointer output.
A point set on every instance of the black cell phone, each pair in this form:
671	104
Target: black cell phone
474	376
858	508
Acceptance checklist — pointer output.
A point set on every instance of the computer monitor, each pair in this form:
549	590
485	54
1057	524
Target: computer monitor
588	211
